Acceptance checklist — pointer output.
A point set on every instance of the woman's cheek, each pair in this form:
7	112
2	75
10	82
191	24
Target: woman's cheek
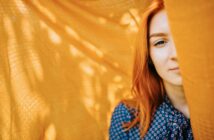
159	58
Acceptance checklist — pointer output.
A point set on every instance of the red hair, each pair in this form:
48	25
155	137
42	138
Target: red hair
147	86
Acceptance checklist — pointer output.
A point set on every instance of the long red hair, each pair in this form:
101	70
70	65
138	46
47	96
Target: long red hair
147	86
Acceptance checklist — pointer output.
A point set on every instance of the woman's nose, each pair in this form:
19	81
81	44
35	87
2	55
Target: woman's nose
173	52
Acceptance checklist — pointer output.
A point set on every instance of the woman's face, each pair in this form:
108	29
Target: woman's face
162	49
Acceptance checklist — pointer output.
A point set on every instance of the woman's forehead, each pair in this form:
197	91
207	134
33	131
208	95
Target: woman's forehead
159	23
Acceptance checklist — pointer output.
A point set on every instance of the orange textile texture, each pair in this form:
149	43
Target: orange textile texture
64	65
191	22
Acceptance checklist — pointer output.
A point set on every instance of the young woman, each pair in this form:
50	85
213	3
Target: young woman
158	109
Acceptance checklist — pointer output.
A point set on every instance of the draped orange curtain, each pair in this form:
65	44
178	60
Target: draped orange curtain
64	65
191	23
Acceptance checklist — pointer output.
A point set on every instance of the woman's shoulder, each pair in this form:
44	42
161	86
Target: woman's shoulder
123	113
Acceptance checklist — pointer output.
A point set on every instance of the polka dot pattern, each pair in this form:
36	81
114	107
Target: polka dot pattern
167	124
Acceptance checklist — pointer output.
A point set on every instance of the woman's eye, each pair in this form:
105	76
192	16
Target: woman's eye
160	43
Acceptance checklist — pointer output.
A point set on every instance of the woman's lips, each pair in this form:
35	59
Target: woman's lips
176	69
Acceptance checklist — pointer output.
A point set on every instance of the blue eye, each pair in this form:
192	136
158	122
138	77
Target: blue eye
160	43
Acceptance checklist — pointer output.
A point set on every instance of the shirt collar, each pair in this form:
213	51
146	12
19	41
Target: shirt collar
174	114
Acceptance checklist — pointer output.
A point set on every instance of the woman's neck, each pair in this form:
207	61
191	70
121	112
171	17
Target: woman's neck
177	97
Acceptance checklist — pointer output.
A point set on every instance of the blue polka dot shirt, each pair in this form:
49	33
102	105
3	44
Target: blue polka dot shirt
167	124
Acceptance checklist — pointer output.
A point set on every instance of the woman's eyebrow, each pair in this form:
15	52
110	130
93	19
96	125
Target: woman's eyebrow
157	35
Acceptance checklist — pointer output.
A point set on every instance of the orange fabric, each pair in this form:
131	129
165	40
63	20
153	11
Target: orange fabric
191	23
64	65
